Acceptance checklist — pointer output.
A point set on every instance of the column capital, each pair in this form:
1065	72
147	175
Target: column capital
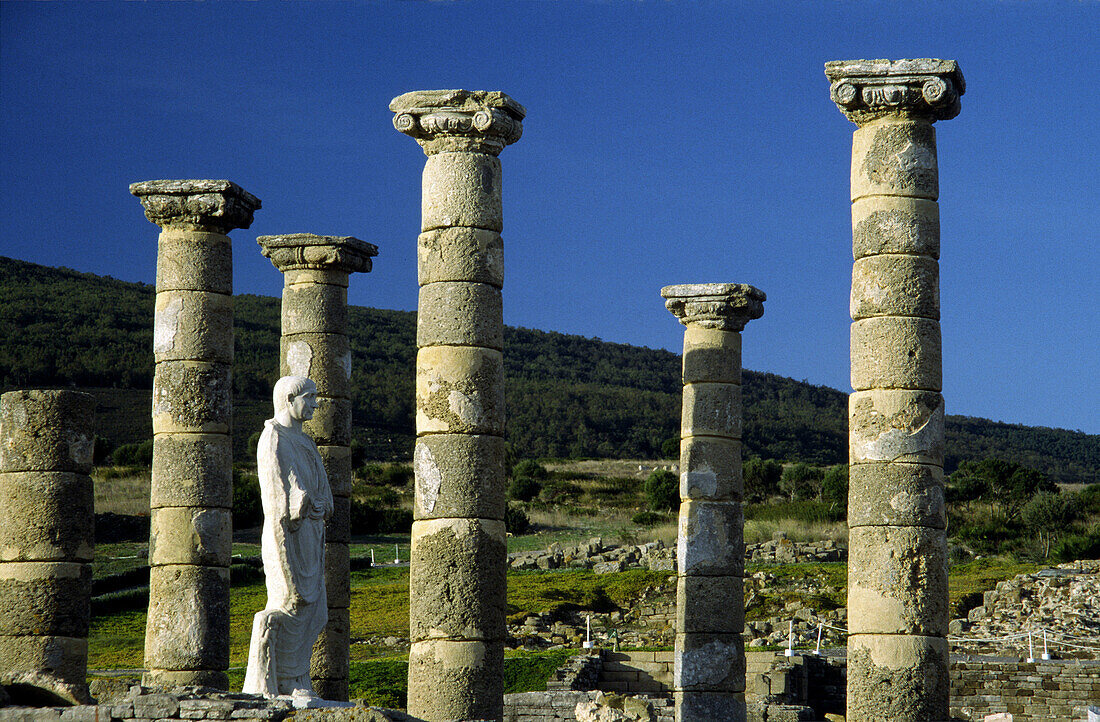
480	121
216	206
307	251
867	90
721	306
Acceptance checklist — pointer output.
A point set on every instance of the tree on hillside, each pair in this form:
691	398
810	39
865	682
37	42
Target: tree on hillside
1000	483
761	478
834	486
1048	514
801	481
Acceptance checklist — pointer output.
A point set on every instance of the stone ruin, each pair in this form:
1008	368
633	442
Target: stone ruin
897	608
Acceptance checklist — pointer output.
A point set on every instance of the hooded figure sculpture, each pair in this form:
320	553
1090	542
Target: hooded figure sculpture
296	501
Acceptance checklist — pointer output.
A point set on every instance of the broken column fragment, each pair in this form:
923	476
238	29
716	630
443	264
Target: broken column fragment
46	535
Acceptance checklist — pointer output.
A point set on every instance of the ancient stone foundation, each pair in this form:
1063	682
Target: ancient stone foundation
457	569
46	534
315	344
897	582
191	497
709	674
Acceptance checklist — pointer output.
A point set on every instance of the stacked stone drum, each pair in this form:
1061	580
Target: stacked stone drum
191	497
315	344
709	669
47	536
897	578
457	575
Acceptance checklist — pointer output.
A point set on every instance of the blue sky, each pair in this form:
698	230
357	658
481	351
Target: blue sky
666	142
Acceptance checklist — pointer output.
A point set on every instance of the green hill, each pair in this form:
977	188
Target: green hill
566	395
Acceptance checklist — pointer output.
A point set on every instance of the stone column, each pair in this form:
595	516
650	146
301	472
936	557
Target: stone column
709	671
897	566
457	574
46	534
191	498
314	344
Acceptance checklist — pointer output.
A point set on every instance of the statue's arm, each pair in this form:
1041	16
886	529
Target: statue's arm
282	496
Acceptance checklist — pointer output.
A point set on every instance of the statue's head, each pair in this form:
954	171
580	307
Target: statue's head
295	395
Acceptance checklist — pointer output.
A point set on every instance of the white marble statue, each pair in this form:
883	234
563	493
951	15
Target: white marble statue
297	501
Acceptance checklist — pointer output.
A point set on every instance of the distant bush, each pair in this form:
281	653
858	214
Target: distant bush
516	521
133	454
248	510
530	468
647	518
523	488
670	448
556	491
397	475
662	490
370	518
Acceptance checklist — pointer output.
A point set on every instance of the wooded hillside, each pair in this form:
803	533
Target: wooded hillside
566	395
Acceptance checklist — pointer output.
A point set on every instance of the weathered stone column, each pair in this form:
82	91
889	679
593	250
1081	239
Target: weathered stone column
897	566
191	498
457	575
46	533
315	344
709	671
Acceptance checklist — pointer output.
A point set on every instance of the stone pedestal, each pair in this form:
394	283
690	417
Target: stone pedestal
897	581
46	533
315	344
191	497
709	672
457	569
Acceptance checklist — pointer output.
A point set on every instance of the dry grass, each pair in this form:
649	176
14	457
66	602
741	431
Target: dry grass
122	495
757	530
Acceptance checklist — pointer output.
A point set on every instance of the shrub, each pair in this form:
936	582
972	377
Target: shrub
133	454
662	490
248	510
253	444
1079	546
670	448
371	518
530	468
516	521
101	451
524	488
647	518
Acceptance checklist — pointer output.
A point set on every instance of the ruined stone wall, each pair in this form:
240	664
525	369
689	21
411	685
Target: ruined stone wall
636	672
1055	690
560	706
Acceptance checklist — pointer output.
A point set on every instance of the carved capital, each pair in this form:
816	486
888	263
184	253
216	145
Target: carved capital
722	306
866	90
459	120
306	251
216	206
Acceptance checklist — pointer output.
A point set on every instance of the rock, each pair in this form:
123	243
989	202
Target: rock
609	707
